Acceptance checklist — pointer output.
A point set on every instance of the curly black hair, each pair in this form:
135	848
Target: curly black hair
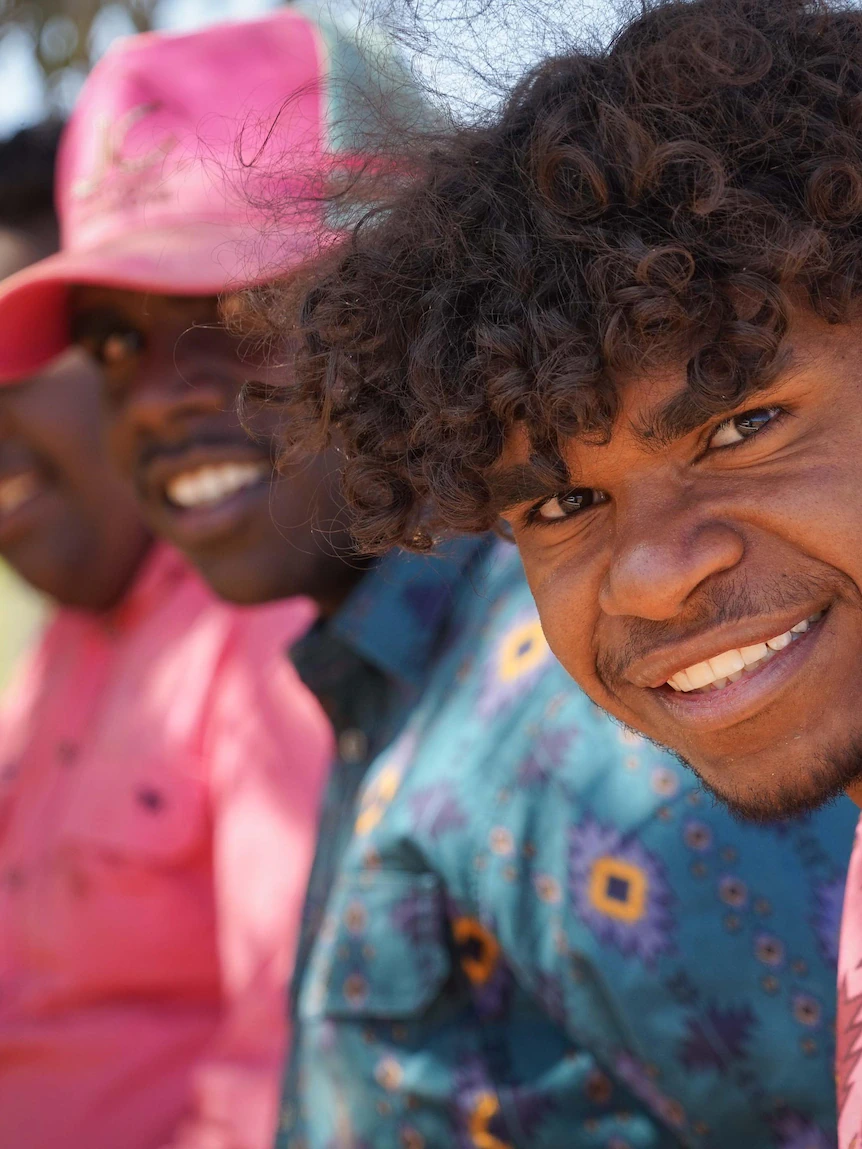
659	200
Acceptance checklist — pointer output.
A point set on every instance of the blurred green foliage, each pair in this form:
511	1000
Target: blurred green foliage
21	612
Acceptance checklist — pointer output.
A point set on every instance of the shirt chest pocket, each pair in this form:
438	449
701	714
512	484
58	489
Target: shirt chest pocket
386	1026
123	899
137	812
382	953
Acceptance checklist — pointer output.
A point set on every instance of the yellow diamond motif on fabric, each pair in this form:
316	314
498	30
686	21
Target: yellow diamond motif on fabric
618	889
522	650
376	799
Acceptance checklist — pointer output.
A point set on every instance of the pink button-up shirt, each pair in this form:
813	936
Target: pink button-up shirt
160	773
848	1060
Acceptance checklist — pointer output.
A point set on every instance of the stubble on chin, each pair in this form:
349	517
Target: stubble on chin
830	776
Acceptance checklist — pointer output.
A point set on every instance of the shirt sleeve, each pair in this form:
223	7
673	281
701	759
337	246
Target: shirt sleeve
268	745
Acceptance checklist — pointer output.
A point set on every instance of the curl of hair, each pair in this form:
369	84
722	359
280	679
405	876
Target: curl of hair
655	203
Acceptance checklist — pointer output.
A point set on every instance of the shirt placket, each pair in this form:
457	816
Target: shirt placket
49	768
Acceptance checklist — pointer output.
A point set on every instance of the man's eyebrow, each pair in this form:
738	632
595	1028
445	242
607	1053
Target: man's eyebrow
521	483
679	416
93	321
683	413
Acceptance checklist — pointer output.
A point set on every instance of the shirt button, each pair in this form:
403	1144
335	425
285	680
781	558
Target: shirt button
151	799
14	879
352	744
67	752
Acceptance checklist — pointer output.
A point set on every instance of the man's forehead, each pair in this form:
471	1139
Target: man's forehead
88	297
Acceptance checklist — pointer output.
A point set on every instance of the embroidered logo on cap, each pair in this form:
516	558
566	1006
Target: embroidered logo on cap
110	160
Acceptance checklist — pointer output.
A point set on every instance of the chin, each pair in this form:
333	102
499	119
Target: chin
778	789
244	582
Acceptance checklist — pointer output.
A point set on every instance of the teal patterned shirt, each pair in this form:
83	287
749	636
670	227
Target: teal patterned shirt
530	928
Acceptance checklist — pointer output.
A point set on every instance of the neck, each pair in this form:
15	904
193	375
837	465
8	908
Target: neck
106	591
343	577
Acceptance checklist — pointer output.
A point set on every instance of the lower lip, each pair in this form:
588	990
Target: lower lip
718	709
211	523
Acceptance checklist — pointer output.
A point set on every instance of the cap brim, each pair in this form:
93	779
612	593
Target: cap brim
200	259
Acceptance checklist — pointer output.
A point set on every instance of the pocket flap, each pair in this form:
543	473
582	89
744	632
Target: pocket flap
383	950
140	810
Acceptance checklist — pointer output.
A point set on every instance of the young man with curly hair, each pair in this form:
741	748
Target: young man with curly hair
626	316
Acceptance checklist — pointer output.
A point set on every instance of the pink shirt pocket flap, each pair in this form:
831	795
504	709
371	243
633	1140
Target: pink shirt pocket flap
139	810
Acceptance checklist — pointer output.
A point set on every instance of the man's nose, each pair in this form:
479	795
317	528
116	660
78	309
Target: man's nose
662	554
163	398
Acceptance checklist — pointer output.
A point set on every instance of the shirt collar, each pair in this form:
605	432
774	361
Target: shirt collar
394	616
163	568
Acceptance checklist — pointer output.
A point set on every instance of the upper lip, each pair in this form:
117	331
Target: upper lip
154	476
656	668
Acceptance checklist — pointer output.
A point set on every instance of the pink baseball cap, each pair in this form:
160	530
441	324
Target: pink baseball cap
193	164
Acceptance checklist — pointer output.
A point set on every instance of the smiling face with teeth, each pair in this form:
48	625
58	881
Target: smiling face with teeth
172	378
707	591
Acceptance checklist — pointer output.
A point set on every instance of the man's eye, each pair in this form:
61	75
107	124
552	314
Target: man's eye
742	426
116	348
564	506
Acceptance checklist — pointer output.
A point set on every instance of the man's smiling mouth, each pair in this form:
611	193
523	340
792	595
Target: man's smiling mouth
201	494
720	670
212	483
755	661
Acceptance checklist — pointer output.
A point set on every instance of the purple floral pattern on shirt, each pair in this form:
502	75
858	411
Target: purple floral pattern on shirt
620	890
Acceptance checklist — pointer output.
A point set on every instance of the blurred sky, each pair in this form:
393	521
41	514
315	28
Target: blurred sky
468	51
23	100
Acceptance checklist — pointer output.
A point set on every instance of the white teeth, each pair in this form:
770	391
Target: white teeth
727	663
719	671
16	491
780	641
700	675
213	483
752	654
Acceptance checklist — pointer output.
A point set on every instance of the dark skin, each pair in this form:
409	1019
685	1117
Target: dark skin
664	554
68	525
172	378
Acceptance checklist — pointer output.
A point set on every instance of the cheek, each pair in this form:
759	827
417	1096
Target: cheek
829	517
816	510
567	598
117	439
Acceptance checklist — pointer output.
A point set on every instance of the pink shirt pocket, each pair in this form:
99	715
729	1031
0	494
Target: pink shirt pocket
125	904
